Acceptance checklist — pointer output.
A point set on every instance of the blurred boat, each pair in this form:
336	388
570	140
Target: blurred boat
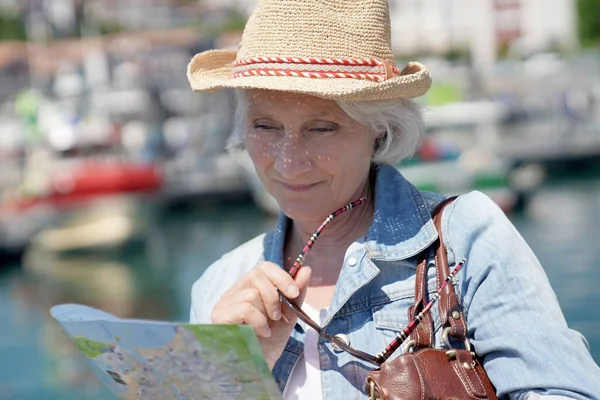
444	166
77	204
455	177
106	224
197	167
466	113
558	147
191	177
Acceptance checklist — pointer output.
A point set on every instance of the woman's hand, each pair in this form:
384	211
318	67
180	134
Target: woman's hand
254	300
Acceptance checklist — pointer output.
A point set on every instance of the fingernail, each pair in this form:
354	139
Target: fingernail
277	314
293	291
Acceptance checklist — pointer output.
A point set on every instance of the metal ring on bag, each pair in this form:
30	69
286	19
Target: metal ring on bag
373	392
446	339
408	346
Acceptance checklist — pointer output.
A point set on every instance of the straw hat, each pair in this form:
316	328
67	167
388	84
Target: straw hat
335	49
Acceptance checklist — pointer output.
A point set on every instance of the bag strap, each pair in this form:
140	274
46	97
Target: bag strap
423	334
451	314
449	306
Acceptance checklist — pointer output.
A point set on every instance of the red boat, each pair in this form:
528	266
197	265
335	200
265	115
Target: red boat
71	187
77	185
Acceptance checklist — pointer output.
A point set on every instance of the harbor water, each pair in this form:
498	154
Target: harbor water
152	279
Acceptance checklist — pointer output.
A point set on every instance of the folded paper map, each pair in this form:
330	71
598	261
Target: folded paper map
139	359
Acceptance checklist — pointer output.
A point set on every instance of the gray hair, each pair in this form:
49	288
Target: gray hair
399	120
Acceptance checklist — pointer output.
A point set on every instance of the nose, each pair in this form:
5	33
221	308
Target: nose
292	159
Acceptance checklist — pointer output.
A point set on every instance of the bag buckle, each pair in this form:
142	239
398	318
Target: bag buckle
446	340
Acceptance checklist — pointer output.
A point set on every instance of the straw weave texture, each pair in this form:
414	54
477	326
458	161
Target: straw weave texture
318	28
313	28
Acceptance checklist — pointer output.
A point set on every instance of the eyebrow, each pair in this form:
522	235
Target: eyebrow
255	109
328	117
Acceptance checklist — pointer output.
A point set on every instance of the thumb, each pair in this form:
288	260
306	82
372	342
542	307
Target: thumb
302	280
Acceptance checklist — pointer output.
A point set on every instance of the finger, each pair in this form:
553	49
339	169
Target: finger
248	295
268	294
302	280
244	313
229	304
280	279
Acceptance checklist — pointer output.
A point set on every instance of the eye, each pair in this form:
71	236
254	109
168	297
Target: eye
324	128
264	127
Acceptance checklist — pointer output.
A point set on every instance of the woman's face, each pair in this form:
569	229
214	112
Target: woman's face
308	153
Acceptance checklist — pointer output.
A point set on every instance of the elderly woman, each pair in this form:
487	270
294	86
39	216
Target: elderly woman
323	112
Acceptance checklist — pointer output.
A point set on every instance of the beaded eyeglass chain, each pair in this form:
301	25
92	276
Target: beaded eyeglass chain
381	357
300	259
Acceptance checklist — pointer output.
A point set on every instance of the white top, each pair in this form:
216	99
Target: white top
305	379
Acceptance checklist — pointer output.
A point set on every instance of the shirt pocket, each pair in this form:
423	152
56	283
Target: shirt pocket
390	318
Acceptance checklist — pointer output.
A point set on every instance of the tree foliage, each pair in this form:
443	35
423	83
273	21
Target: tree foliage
589	22
11	27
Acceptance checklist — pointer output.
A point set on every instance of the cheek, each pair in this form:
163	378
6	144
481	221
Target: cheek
342	155
348	165
327	154
260	151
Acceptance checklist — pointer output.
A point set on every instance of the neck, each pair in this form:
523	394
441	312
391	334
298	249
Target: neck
326	256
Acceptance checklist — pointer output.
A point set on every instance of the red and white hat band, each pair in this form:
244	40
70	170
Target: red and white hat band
371	68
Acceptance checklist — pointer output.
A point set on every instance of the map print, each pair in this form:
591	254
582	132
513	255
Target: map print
137	359
125	369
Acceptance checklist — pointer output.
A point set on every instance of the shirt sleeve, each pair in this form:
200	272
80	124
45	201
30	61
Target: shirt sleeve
535	396
514	319
220	276
204	296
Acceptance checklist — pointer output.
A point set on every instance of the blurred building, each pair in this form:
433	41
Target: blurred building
484	28
245	6
145	14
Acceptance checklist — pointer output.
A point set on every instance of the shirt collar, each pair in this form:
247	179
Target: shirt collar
401	228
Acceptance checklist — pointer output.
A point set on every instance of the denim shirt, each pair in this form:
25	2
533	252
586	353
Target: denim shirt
515	323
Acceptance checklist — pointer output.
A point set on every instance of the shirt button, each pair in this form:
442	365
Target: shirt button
352	262
344	338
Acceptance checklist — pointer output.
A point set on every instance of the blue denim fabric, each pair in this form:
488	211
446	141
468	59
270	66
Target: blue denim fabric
515	322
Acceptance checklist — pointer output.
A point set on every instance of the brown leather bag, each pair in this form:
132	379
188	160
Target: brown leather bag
427	373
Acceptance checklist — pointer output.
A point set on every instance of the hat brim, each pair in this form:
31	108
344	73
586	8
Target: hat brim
211	70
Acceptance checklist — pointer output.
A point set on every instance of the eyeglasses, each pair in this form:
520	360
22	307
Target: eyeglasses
337	341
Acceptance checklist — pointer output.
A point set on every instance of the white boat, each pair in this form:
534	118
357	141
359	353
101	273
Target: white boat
466	113
105	224
454	177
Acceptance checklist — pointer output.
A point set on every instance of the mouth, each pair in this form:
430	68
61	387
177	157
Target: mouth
298	188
